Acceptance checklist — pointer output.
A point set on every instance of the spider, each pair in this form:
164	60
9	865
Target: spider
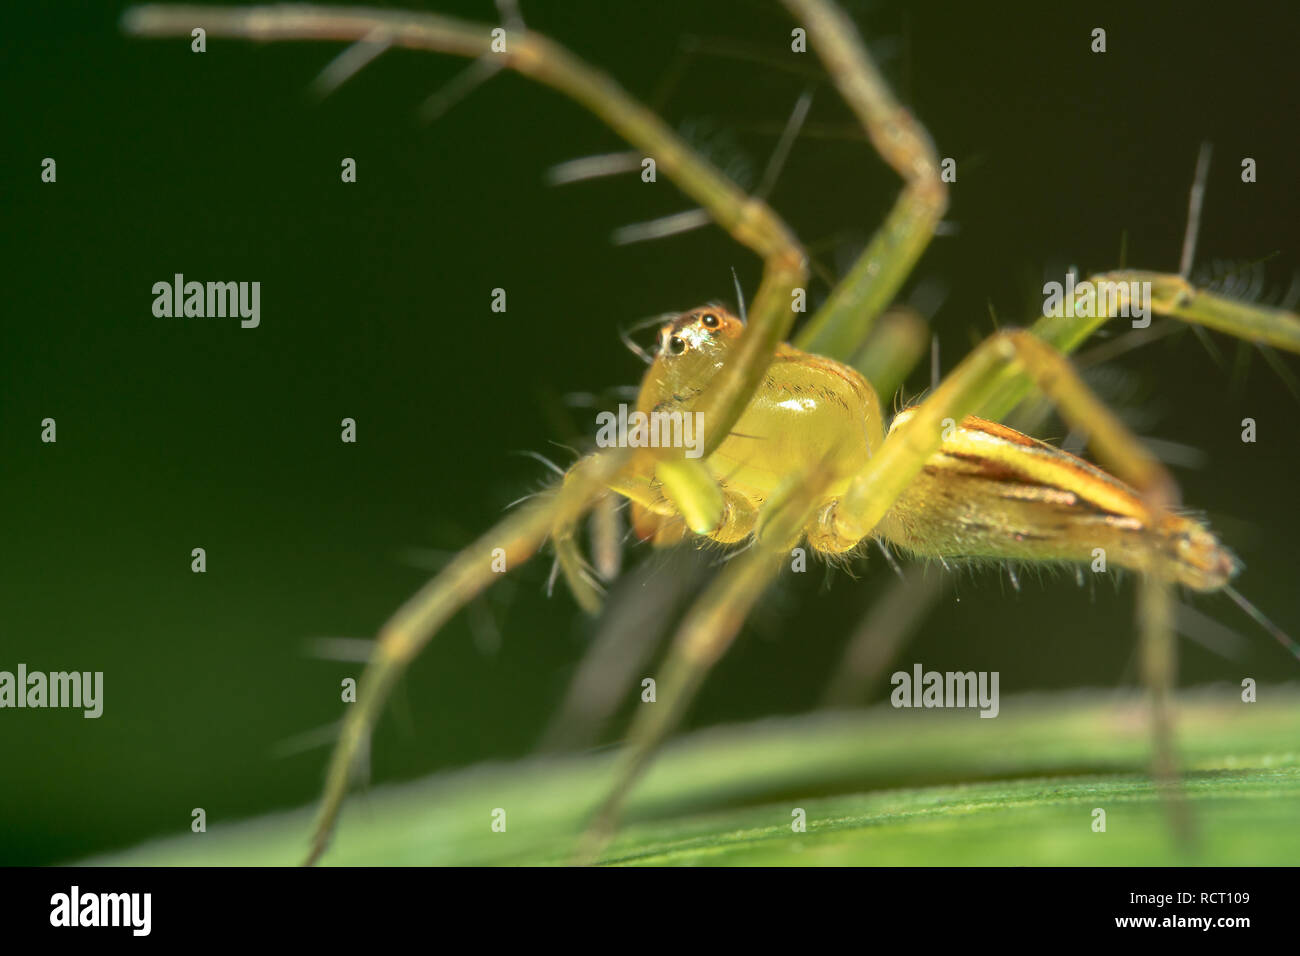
795	448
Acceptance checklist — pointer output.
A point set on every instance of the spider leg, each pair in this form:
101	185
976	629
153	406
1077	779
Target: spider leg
1175	296
903	607
704	635
747	218
681	490
512	542
893	347
1171	295
911	445
841	324
578	575
635	623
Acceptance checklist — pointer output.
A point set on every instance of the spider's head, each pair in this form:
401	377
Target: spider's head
692	347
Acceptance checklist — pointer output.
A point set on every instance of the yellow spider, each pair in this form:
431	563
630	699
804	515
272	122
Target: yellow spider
795	447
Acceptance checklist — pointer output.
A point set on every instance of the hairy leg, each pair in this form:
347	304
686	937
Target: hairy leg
1171	295
911	445
405	634
840	326
707	631
635	622
749	219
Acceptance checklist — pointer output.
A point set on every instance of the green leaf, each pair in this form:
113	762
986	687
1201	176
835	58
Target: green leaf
882	787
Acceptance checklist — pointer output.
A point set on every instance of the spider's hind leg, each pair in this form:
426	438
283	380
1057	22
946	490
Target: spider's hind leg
911	448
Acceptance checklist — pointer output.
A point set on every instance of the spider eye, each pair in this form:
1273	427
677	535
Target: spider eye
710	320
676	345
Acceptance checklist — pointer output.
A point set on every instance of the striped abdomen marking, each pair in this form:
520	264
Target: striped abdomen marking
991	492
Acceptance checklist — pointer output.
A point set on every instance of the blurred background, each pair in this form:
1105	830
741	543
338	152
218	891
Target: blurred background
182	433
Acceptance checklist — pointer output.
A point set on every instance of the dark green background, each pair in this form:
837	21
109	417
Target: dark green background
179	433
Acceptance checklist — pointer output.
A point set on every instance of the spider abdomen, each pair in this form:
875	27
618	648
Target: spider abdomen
991	492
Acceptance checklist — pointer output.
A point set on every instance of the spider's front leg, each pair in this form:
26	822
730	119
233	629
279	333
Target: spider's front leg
689	485
512	542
